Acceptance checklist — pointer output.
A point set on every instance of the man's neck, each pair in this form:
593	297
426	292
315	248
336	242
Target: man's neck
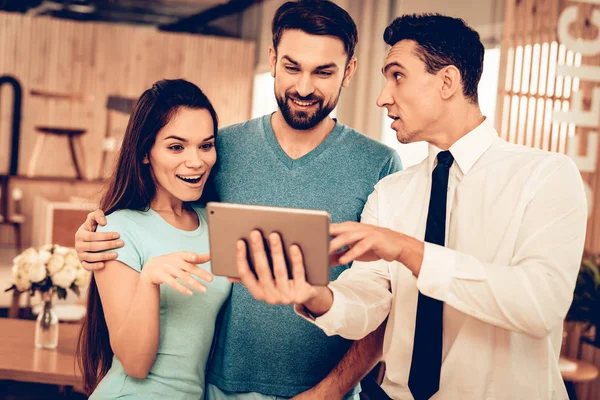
297	143
457	124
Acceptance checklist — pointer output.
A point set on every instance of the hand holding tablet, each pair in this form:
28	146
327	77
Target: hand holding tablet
308	229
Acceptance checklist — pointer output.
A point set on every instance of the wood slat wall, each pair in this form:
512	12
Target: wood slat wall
103	59
530	92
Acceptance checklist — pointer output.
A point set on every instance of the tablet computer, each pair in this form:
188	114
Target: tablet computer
309	229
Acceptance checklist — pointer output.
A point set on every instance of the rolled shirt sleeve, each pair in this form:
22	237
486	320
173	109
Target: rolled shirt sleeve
362	297
533	292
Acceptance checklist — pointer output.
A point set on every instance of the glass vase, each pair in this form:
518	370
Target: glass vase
46	327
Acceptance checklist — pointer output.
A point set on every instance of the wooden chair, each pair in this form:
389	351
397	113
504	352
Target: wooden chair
73	135
15	219
121	105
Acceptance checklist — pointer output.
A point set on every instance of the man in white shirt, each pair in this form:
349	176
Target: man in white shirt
471	255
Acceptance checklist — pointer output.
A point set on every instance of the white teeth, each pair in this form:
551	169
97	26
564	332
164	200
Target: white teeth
189	178
302	103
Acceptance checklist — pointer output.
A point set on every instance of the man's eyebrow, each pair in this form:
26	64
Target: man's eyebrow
390	65
325	66
290	59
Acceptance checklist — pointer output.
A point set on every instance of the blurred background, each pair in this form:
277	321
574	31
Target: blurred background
71	70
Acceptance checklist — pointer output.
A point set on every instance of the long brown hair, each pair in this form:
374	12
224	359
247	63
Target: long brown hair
132	187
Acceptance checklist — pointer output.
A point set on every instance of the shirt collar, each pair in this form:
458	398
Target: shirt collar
467	150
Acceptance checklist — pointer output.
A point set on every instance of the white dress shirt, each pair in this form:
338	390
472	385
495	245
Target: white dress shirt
515	229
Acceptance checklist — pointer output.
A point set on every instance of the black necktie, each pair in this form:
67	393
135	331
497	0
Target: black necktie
424	378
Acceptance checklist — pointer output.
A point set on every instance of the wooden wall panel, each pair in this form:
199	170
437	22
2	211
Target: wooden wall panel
585	29
530	91
112	78
546	90
99	60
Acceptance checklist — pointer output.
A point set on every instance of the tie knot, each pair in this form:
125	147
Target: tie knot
445	158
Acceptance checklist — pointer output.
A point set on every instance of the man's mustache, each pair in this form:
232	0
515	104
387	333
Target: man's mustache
308	98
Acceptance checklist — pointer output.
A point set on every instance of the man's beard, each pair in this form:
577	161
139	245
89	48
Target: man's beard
304	120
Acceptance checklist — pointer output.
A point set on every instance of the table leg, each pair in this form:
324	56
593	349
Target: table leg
571	390
74	157
66	391
35	154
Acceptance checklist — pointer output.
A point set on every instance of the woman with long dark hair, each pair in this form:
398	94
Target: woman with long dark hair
146	334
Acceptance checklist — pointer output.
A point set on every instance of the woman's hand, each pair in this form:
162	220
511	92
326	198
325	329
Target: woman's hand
177	268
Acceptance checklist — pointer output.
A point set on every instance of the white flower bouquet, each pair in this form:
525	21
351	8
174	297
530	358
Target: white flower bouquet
52	267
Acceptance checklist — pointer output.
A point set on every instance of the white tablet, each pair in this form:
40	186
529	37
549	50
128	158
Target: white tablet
309	229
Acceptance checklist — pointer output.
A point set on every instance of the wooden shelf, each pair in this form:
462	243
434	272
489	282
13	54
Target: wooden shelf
56	179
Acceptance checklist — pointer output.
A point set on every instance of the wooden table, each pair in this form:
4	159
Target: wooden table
21	361
584	372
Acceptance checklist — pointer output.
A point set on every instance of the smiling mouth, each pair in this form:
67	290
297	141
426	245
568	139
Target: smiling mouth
393	117
190	179
303	103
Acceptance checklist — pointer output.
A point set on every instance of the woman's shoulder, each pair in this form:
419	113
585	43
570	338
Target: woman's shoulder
128	215
125	219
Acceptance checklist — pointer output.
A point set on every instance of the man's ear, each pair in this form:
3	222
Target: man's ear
451	81
349	72
272	60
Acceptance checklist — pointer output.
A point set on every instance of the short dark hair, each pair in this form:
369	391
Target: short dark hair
442	41
316	17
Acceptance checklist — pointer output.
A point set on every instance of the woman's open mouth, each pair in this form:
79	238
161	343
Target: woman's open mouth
192	179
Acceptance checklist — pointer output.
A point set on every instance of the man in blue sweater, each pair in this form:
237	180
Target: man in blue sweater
296	157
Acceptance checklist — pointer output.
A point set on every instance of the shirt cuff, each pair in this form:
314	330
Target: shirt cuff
328	322
437	271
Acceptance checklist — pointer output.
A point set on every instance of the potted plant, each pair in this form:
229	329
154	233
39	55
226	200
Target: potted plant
586	300
48	270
